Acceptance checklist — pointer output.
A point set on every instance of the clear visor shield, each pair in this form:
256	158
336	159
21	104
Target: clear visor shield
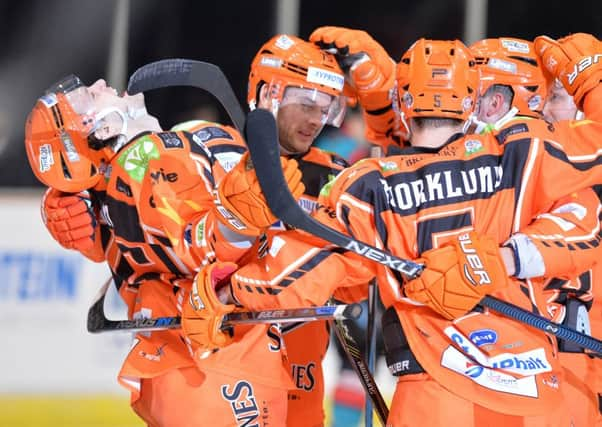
104	124
314	103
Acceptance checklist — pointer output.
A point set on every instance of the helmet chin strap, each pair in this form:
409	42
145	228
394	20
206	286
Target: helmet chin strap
117	141
482	127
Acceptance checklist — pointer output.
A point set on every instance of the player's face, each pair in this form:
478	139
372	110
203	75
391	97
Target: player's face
301	116
111	108
559	105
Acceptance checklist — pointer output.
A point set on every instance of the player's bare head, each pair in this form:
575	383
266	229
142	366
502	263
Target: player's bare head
437	79
513	63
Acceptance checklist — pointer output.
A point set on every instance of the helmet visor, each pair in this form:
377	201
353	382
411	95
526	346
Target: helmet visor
75	92
312	102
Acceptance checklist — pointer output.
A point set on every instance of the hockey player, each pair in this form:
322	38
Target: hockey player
303	87
515	90
479	366
117	184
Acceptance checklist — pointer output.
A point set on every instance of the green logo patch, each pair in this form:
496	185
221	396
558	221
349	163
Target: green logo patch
135	158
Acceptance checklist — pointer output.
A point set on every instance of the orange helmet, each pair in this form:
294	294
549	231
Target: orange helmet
513	62
56	139
437	78
286	61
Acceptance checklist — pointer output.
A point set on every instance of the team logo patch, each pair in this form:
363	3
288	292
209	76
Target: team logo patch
534	102
388	166
472	146
135	158
284	42
212	132
171	140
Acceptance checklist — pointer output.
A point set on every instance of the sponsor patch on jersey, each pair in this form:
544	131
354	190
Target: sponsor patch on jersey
284	42
483	337
212	132
228	159
135	158
455	361
515	46
46	157
170	140
277	244
325	77
472	146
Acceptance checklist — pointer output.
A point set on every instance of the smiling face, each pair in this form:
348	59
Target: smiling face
300	115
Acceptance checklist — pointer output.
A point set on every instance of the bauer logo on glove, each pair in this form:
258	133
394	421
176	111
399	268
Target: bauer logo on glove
474	266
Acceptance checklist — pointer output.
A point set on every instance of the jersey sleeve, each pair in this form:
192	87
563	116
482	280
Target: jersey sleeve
300	269
563	241
185	206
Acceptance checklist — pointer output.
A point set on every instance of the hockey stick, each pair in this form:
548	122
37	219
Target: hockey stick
97	321
186	72
263	144
371	343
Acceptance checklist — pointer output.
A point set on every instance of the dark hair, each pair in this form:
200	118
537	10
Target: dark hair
435	122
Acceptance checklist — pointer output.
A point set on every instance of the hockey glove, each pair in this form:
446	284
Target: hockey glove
70	219
242	205
458	275
370	68
575	60
202	315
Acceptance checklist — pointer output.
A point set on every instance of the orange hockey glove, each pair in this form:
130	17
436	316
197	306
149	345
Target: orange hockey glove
202	315
575	60
246	209
458	275
370	68
70	219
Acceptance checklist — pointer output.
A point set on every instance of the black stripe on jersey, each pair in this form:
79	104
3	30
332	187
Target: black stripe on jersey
314	176
122	187
511	130
163	240
136	253
128	226
227	148
160	252
580	166
445	182
170	140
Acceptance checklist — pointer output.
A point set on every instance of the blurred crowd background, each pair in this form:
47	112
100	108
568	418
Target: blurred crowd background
52	372
44	40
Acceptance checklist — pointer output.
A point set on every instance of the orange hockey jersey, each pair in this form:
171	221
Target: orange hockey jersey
415	201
